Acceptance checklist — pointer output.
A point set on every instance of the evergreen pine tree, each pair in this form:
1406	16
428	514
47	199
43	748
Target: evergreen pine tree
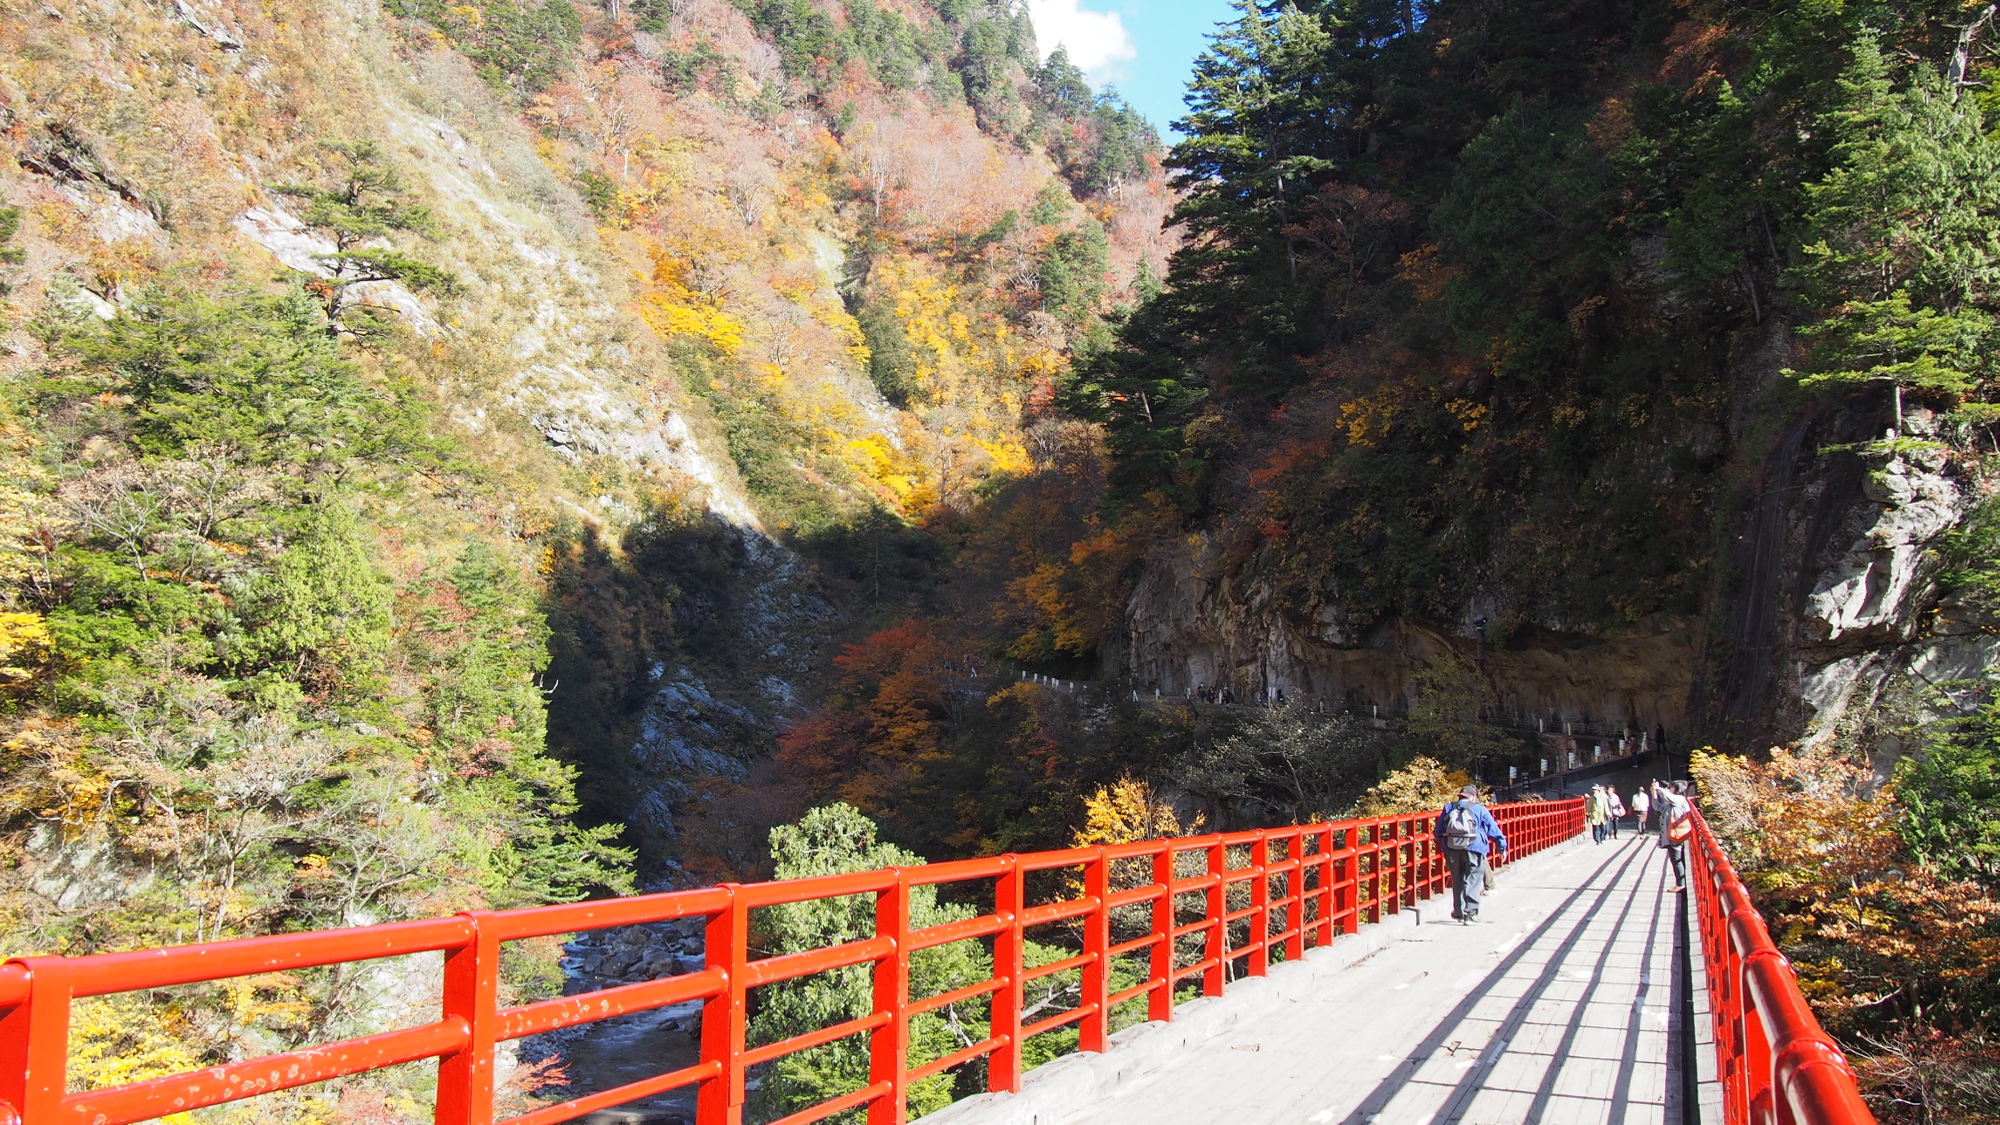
1904	235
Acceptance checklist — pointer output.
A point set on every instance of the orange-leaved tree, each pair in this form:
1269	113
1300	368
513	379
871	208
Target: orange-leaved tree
1900	962
884	723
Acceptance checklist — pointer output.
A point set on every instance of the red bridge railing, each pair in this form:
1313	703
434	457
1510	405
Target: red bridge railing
1776	1064
1220	906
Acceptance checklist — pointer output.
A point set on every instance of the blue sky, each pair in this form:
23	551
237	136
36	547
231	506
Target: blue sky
1144	47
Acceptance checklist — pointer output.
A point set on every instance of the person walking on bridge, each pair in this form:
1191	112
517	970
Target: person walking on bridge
1675	828
1595	810
1468	832
1616	811
1642	805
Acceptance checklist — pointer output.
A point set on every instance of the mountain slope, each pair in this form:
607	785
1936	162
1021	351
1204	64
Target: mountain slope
441	440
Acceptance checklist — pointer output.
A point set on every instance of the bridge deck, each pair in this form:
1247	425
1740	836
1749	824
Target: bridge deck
1555	1010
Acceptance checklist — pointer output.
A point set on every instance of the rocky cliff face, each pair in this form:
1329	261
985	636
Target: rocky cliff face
539	364
1191	623
1825	620
1837	627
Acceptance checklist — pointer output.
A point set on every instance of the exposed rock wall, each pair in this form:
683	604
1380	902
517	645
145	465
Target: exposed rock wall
1825	621
1838	626
1190	626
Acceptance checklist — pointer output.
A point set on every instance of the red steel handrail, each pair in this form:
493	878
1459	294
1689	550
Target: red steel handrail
1304	883
1774	1061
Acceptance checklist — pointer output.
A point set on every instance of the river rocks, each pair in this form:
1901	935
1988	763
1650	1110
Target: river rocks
629	954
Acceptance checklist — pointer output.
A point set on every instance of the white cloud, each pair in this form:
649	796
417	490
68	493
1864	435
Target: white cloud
1097	41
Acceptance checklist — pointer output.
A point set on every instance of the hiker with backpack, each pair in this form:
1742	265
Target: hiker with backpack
1467	832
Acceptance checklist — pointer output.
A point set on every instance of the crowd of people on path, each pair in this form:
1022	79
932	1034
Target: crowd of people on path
1604	810
1469	835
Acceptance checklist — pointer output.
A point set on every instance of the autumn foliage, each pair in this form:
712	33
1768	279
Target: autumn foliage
1899	961
884	725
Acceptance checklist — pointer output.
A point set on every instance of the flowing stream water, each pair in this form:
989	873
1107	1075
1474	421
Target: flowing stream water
615	1052
607	1054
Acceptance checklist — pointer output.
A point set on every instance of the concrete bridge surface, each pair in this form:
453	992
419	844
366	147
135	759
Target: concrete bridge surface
1560	1007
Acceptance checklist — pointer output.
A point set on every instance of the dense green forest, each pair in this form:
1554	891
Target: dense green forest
1461	299
1465	306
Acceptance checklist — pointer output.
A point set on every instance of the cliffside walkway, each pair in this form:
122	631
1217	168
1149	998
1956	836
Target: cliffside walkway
1300	974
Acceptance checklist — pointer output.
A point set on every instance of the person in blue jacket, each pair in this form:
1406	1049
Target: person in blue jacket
1467	832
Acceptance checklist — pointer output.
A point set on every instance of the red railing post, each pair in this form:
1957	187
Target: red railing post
1420	852
1376	885
1756	1056
1160	1004
34	1042
1391	867
1745	940
1323	925
1413	832
1215	905
1095	1026
889	1044
1725	988
1351	879
1363	869
1260	905
1406	858
724	1016
1777	1065
1743	1031
1294	914
1010	897
472	993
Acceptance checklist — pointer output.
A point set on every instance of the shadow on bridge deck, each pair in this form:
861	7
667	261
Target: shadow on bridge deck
1557	1010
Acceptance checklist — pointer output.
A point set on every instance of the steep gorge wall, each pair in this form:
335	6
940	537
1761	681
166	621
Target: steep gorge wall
1825	619
1190	628
539	365
1836	625
657	352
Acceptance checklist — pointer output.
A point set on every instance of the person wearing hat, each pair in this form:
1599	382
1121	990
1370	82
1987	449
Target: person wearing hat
1468	832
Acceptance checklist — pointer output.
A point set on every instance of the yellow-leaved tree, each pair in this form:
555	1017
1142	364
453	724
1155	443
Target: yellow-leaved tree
25	514
1127	811
1130	810
1424	785
1899	959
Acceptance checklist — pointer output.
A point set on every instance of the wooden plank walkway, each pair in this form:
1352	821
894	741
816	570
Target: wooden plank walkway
1554	1010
